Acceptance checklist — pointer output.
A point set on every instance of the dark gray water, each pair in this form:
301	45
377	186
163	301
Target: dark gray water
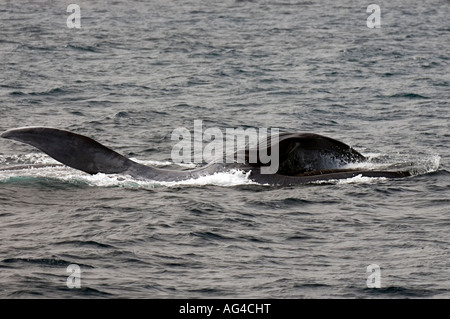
135	71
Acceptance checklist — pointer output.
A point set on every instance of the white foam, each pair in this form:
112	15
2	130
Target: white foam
358	179
31	158
232	178
430	164
151	162
416	164
162	163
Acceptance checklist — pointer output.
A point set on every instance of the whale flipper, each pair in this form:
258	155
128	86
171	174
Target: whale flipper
72	149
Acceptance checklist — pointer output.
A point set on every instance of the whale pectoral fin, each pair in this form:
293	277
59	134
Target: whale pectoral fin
74	150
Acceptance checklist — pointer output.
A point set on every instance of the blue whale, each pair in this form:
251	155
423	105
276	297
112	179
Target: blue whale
303	158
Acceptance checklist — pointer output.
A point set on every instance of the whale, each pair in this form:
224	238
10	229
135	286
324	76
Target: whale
303	158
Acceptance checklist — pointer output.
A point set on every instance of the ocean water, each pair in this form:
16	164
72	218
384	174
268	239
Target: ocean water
134	71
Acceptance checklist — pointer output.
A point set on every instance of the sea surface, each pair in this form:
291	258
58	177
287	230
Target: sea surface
137	70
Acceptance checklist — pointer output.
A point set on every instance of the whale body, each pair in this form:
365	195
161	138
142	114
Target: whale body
303	158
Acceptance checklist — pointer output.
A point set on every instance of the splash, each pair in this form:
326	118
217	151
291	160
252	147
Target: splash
416	164
225	179
358	179
162	163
